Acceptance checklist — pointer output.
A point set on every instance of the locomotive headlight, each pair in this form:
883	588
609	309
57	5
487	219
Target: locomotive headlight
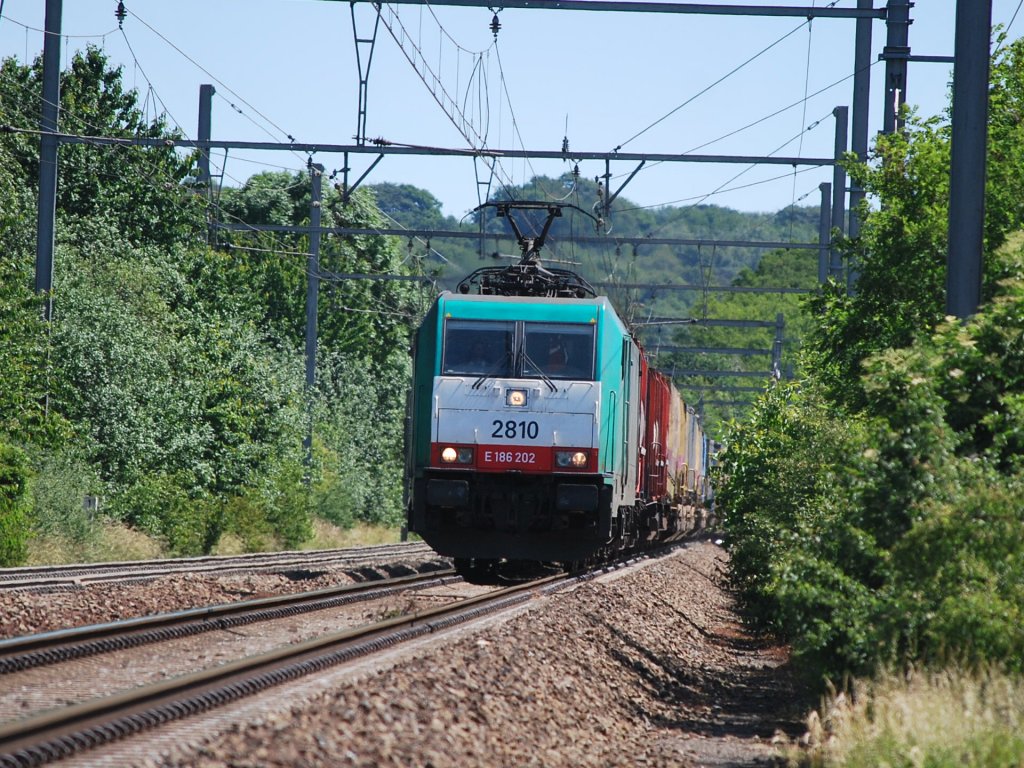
450	455
574	459
515	398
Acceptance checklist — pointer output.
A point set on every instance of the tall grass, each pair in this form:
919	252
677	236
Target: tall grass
326	535
943	719
99	541
103	542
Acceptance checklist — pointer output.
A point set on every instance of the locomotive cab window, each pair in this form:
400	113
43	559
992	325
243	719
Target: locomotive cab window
478	348
558	350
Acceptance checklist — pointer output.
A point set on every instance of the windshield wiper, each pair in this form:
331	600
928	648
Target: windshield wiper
493	370
543	376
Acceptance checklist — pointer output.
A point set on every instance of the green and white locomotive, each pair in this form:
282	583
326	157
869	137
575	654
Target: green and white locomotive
528	433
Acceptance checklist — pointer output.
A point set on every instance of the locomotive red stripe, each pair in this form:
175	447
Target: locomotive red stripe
503	457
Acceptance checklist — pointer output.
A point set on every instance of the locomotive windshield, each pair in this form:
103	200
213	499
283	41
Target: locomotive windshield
478	348
558	351
519	349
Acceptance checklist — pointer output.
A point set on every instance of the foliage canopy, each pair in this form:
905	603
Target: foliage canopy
874	510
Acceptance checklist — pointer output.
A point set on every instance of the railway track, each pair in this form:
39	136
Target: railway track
31	651
298	563
58	733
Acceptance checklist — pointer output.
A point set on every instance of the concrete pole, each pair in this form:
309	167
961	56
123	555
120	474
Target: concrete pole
969	149
47	201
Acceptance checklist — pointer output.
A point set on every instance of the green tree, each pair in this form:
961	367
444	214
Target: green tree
907	428
143	191
900	255
22	338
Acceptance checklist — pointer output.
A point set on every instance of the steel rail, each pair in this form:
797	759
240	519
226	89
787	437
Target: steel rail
56	734
84	573
31	651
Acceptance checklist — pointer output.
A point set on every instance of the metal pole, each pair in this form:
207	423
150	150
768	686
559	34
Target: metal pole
842	116
206	92
312	301
47	202
780	327
895	53
861	106
967	165
607	207
361	43
824	231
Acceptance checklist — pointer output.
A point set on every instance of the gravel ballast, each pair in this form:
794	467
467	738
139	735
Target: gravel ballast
24	612
648	668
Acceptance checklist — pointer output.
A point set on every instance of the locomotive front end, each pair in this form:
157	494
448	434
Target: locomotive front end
505	459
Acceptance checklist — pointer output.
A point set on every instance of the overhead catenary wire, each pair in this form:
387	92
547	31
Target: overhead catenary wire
30	28
156	95
721	188
1009	25
513	84
758	121
155	170
393	24
1014	17
151	169
717	82
138	66
281	131
221	83
155	175
515	122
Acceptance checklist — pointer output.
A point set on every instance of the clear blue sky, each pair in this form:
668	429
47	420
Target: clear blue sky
288	67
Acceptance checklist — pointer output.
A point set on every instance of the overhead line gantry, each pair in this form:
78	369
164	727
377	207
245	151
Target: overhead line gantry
637	6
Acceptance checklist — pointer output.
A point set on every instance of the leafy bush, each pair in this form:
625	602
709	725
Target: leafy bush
360	417
14	524
893	535
62	481
902	543
804	567
960	573
158	505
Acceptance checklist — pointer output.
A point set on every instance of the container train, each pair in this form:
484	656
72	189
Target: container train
537	430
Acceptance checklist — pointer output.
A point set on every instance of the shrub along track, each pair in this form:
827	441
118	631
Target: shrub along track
59	733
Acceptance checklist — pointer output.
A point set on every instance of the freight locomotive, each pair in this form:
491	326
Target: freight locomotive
537	429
